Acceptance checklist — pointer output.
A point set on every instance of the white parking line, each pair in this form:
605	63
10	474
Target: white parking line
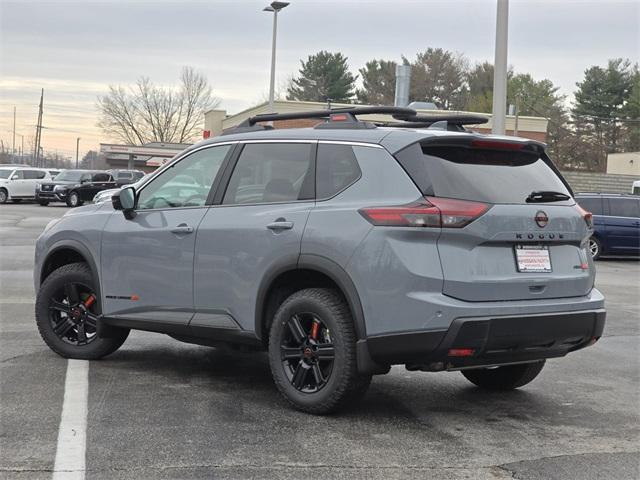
72	433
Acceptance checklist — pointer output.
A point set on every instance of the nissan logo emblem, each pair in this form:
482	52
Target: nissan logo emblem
541	219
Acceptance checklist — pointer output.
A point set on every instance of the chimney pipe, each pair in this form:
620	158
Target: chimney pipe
403	81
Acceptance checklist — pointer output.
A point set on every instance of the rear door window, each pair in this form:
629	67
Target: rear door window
485	175
591	204
34	174
624	207
270	173
101	177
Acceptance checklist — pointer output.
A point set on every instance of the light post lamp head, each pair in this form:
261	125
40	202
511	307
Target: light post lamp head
275	6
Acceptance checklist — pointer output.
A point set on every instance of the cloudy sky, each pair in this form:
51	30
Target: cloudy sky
74	50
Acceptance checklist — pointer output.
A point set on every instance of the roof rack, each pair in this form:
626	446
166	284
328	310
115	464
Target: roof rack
343	114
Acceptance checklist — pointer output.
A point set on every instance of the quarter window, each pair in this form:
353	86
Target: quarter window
337	168
186	183
270	172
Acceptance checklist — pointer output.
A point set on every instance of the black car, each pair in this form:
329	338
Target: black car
74	187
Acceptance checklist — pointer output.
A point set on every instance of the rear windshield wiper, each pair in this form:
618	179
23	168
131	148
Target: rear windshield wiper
546	196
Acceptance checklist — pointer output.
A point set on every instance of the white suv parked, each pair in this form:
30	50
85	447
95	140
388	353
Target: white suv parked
19	183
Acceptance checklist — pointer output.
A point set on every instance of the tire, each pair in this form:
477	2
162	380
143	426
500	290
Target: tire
508	377
4	196
43	203
595	248
73	200
333	352
53	315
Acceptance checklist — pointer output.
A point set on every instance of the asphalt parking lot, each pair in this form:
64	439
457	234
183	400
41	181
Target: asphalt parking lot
158	408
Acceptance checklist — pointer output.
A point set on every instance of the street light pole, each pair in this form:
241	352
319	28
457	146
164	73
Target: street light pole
274	7
500	68
77	150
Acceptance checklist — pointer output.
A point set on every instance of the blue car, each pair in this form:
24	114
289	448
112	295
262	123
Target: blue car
616	223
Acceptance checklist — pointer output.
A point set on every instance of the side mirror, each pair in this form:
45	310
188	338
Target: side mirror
85	180
125	200
15	177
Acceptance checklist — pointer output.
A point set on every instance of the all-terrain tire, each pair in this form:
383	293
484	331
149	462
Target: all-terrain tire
98	347
344	385
507	377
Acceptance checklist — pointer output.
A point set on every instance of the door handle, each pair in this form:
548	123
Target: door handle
280	224
183	228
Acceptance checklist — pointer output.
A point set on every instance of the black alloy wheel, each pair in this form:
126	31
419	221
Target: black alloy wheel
72	315
307	353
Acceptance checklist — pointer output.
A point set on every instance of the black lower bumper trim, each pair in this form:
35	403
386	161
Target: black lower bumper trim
497	340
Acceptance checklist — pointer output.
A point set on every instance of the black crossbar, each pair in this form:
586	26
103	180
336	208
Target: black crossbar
426	120
354	111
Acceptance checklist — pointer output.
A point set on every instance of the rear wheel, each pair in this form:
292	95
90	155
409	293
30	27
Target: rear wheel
595	248
312	352
508	377
3	195
67	315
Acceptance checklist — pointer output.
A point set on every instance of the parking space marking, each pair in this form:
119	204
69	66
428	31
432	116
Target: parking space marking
72	433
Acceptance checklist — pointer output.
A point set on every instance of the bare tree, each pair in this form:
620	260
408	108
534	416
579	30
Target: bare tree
149	113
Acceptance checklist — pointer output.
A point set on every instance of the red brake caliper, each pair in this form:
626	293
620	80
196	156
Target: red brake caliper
89	301
315	326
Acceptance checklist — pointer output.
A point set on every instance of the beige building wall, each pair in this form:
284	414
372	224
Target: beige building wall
624	163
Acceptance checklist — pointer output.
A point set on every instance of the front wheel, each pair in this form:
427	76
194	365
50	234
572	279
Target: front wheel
507	377
3	195
312	352
67	315
73	200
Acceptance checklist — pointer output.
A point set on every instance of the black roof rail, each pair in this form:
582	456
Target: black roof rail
350	114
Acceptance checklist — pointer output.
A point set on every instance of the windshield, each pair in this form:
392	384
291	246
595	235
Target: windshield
5	172
70	176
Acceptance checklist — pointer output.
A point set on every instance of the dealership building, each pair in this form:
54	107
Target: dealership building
217	121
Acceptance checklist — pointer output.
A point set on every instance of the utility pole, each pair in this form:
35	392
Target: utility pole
77	150
36	155
13	146
515	127
500	68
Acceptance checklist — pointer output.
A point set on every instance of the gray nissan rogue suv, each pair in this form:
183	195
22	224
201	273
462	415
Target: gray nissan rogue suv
340	249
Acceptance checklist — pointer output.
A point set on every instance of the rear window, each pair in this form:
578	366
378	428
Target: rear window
491	176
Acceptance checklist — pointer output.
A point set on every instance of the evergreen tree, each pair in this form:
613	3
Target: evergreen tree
378	83
323	76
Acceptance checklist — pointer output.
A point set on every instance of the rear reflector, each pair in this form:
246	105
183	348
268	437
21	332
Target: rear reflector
461	352
427	212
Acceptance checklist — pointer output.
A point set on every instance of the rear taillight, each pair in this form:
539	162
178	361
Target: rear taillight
588	216
427	212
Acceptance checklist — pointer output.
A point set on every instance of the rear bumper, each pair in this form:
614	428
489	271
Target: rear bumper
493	340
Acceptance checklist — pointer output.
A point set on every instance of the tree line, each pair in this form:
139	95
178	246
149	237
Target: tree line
602	118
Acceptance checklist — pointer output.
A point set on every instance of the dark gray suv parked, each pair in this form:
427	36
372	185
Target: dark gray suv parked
341	249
